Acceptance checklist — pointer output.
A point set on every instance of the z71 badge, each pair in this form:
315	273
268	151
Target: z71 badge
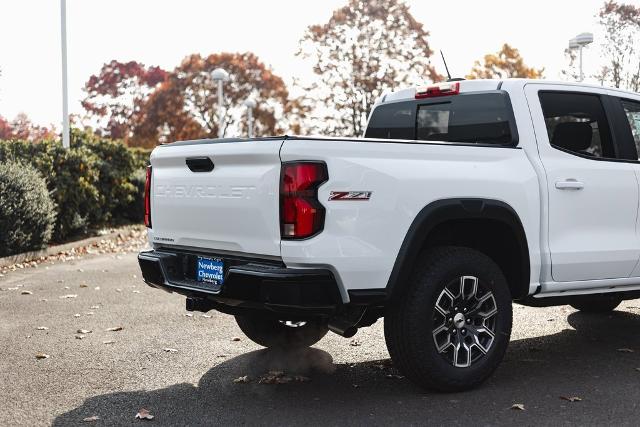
349	195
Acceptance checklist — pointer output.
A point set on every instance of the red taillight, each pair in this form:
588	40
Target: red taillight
441	89
301	214
147	198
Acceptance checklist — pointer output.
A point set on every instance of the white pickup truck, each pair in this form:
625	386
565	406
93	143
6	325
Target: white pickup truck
461	198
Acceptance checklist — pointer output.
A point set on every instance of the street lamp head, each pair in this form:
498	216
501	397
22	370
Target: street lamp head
250	103
219	75
584	39
573	44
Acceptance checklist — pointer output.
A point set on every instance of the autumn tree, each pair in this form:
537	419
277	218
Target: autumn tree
505	63
185	105
114	95
21	127
621	47
366	48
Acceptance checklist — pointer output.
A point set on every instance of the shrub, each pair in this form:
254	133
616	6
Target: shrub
116	164
27	213
71	177
94	183
135	210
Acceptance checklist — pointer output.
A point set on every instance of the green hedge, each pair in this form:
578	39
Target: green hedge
27	213
93	184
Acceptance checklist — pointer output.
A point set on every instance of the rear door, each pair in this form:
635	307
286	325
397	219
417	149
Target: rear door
231	208
592	190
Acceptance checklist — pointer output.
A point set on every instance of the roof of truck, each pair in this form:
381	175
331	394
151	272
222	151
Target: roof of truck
479	85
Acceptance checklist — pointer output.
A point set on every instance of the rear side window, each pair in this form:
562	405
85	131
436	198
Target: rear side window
577	123
476	118
632	111
482	118
392	121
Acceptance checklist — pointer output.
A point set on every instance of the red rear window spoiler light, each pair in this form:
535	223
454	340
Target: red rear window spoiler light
440	89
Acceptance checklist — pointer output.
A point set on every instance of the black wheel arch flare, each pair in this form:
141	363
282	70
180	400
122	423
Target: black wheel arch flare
444	210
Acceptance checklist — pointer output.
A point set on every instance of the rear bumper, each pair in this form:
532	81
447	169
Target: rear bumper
249	285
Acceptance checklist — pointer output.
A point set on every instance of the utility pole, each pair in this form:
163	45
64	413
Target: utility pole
219	75
65	97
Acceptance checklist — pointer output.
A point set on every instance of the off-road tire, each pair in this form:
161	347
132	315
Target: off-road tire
271	332
409	320
604	305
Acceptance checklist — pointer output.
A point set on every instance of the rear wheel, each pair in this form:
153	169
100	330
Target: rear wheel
603	305
451	328
271	332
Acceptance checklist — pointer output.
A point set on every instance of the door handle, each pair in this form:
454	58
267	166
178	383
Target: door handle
569	184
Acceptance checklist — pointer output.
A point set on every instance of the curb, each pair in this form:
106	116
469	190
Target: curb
55	250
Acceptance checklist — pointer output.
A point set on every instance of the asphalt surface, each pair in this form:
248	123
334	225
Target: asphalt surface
554	352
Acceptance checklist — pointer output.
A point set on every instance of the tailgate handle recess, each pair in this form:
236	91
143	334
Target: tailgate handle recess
199	164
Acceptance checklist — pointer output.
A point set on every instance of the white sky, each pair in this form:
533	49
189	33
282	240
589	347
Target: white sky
159	32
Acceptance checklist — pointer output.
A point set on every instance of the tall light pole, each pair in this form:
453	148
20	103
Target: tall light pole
578	42
220	76
65	97
250	104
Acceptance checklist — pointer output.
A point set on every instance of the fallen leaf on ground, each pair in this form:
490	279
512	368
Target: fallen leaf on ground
354	343
108	342
571	398
188	315
625	350
394	377
76	315
114	329
80	337
274	377
518	406
91	419
26	293
170	350
84	285
144	414
242	379
42	356
68	296
235	339
83	331
42	328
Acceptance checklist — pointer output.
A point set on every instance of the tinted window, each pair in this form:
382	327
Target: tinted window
632	110
479	118
392	121
473	118
577	123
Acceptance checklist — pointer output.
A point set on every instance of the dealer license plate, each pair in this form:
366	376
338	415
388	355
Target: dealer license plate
210	270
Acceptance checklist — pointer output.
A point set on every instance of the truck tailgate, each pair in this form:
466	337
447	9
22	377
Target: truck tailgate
232	208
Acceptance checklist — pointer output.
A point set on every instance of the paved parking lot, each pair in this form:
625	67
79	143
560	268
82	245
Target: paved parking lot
181	367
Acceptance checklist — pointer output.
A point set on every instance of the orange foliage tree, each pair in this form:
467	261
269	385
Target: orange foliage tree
185	105
115	95
505	63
